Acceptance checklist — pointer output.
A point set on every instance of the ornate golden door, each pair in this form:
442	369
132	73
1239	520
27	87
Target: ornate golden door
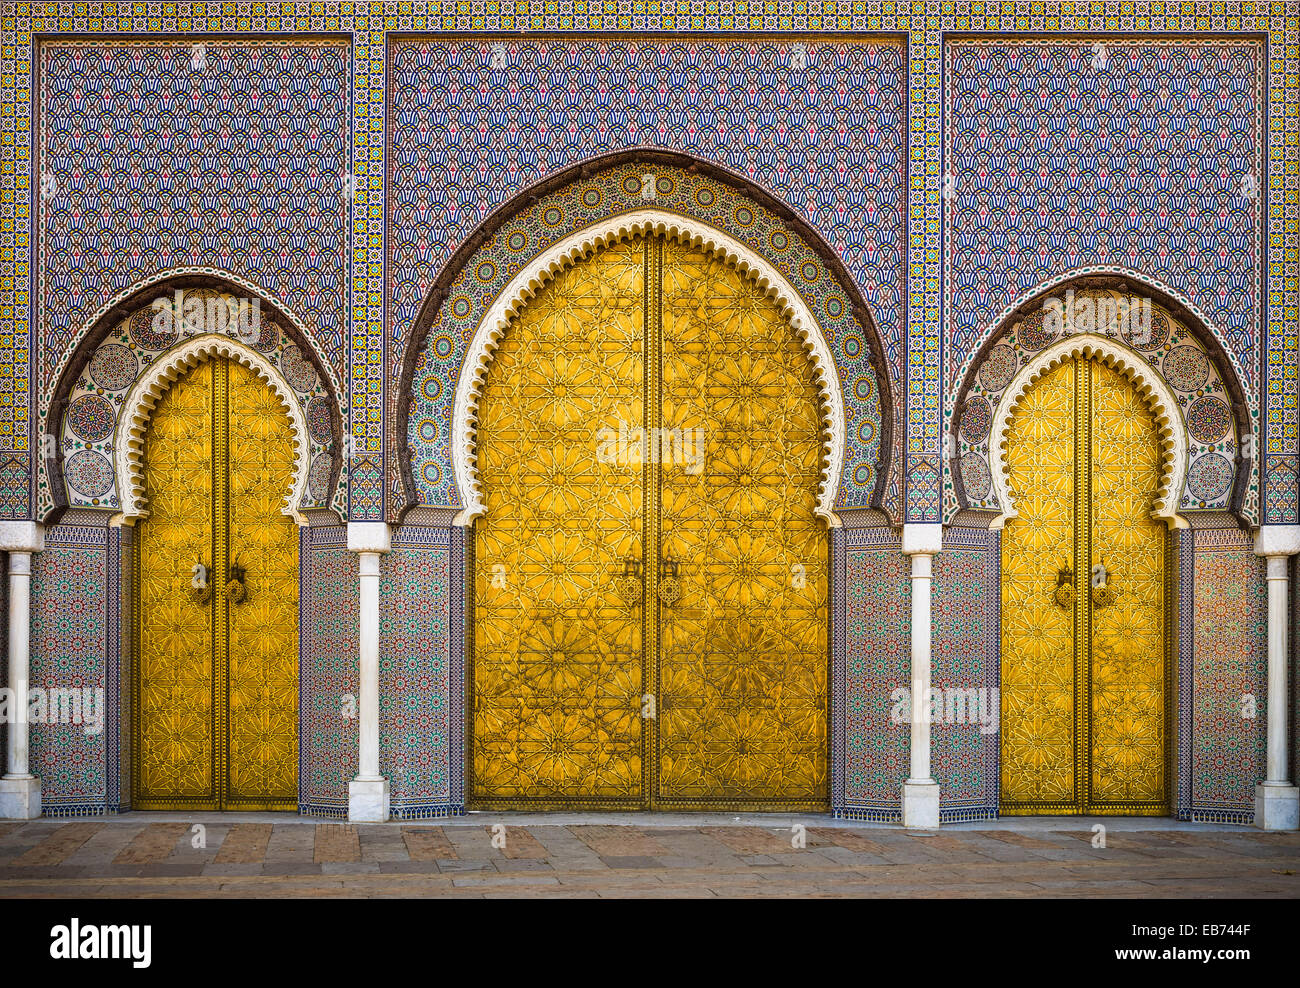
216	616
650	591
1085	625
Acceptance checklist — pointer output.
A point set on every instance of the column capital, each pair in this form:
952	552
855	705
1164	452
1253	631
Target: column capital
22	536
1277	540
922	539
369	536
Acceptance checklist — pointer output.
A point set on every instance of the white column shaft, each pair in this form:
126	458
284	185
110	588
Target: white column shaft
1277	671
920	749
368	702
20	596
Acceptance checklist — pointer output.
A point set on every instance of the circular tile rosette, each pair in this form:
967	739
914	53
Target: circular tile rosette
92	418
1208	419
298	371
89	474
154	329
1209	476
113	367
318	420
975	476
976	420
998	369
318	478
1033	333
1186	368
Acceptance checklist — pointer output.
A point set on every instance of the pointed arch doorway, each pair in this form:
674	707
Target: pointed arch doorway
215	682
1086	595
650	594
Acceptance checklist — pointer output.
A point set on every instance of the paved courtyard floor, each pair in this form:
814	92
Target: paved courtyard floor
637	855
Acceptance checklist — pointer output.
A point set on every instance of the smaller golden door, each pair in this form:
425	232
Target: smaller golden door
1085	612
215	684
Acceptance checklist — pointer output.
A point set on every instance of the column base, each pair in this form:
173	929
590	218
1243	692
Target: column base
368	801
20	799
921	805
1277	807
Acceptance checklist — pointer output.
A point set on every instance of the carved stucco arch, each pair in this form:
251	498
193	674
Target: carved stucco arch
581	244
133	422
1149	384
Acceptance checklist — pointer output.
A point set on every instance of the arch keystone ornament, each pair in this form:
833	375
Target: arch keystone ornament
133	422
569	251
1150	385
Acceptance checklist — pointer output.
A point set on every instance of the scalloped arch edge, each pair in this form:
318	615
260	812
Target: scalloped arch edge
1150	385
581	244
133	422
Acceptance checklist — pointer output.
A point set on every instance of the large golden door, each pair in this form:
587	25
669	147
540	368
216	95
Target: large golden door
650	575
216	678
1085	626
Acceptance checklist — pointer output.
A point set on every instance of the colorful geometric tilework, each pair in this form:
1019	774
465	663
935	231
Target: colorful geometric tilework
88	434
1171	352
328	646
69	649
414	673
876	663
611	192
1229	670
964	655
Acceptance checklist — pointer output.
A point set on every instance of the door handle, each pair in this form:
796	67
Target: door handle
200	589
628	584
1102	594
1064	595
670	587
236	588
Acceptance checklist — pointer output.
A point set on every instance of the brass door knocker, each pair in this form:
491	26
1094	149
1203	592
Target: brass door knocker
1102	594
1064	595
670	587
236	587
200	589
628	584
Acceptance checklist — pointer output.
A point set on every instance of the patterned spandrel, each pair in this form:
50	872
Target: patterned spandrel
174	698
1128	631
263	756
1038	733
557	663
742	693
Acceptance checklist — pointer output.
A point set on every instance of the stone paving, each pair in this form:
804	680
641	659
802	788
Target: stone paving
264	855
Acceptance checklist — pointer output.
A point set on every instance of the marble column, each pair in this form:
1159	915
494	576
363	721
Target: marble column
920	791
20	791
368	793
1277	801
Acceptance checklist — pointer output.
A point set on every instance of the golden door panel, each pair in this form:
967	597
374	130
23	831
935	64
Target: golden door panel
1038	727
263	541
174	716
1127	715
557	661
650	575
1085	636
216	678
742	685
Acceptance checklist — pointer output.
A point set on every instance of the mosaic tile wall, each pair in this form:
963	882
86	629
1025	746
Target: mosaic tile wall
328	648
964	744
474	123
610	192
1095	154
871	748
1229	663
71	595
420	694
